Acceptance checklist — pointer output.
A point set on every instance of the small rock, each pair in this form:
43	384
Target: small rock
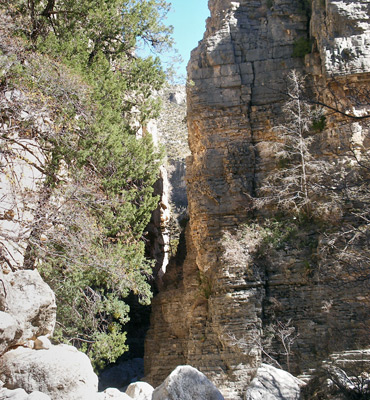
178	97
140	391
30	344
42	343
24	115
8	95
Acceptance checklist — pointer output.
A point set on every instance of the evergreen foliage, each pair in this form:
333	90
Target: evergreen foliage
97	196
302	46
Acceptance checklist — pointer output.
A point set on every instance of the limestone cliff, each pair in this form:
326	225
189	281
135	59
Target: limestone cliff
235	95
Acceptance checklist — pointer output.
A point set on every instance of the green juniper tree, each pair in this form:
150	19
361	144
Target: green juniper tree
97	193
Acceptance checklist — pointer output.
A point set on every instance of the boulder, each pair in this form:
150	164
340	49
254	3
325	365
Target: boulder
21	394
187	383
9	331
140	391
178	96
27	306
62	372
112	394
38	396
272	383
17	394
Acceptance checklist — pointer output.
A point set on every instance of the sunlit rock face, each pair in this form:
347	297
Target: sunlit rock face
342	30
27	308
236	86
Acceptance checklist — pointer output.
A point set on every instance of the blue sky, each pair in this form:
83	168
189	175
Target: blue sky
188	17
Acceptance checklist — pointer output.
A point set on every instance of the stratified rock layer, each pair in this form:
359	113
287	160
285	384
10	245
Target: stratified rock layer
348	369
235	96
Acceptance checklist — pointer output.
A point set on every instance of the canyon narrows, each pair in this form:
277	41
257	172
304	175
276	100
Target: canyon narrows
237	77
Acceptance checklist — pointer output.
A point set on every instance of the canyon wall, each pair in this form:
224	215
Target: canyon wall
212	313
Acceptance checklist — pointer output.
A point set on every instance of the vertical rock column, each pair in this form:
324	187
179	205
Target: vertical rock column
235	76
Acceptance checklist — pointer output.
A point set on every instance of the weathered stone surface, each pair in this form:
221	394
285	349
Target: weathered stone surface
112	394
140	391
20	394
9	331
157	235
235	98
342	31
186	383
271	383
17	394
346	372
177	95
38	396
21	178
62	372
246	48
29	302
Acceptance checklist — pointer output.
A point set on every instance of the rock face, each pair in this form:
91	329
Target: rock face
235	97
21	177
341	29
345	373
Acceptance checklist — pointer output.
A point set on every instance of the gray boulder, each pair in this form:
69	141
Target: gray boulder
9	331
17	394
140	391
27	306
178	96
61	372
272	383
21	394
187	383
